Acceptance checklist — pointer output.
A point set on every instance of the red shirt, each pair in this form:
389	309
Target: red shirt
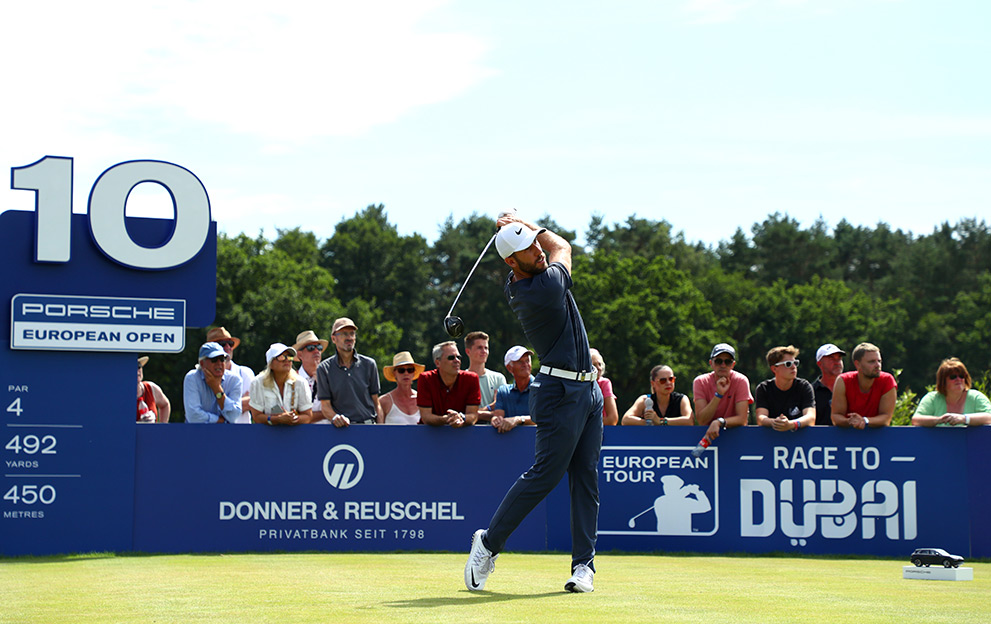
431	392
866	403
146	403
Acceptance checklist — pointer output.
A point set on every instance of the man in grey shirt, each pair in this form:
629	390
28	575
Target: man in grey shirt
348	382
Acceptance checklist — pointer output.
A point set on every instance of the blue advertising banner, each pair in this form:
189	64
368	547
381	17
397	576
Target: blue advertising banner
821	490
366	487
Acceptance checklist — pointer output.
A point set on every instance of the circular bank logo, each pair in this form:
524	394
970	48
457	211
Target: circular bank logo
343	466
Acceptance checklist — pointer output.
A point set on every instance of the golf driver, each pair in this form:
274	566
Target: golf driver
453	325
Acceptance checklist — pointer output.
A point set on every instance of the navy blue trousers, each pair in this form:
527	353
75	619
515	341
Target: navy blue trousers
568	415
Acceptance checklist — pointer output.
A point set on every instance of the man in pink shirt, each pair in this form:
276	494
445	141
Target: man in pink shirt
722	397
865	397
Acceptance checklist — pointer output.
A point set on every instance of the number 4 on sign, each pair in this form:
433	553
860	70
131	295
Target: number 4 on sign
15	407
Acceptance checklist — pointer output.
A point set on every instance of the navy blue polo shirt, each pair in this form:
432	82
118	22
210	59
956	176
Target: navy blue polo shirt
509	399
550	318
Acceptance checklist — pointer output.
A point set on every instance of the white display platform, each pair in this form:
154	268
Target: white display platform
938	574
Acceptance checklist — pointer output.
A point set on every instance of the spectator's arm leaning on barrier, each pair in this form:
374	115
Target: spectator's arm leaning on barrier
885	409
452	418
162	403
610	413
637	415
379	412
840	416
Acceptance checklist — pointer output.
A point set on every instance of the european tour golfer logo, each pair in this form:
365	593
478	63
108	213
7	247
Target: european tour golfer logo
658	490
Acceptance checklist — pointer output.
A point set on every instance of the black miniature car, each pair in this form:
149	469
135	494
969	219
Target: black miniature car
929	556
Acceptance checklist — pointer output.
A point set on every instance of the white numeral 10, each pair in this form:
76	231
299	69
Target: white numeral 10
51	180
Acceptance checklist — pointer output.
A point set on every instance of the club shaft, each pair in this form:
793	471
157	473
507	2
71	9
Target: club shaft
470	273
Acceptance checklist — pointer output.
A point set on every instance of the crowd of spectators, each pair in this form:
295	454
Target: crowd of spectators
343	389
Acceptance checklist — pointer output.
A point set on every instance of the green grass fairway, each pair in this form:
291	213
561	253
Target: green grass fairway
409	587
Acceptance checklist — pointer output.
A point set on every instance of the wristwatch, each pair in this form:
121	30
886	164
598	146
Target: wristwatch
219	395
722	421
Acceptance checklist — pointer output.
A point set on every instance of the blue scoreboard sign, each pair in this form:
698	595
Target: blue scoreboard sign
82	294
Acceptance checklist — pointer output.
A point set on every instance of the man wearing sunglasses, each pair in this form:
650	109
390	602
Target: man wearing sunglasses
722	397
865	397
309	352
210	392
348	382
221	336
785	402
448	395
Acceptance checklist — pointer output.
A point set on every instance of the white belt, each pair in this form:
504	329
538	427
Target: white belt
566	374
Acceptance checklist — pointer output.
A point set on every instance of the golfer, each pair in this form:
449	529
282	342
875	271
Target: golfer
565	402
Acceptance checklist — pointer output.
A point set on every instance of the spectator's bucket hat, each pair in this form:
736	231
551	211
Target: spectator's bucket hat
219	333
405	357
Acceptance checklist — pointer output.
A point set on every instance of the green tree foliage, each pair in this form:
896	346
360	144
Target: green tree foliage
641	312
371	262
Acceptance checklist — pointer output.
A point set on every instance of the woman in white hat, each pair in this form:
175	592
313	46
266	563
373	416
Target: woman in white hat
399	406
279	396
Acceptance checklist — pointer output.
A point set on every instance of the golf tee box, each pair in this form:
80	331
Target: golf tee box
938	574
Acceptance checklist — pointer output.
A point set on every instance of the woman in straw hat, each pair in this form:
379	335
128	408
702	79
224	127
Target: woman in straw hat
278	395
399	406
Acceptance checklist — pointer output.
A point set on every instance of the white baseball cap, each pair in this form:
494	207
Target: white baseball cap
514	354
276	350
514	237
828	349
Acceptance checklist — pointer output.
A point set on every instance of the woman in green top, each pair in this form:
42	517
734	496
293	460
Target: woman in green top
953	402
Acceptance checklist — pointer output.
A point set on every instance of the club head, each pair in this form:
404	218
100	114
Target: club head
454	326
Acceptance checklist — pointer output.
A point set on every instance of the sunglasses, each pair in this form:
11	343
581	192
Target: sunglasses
404	370
218	358
666	379
722	362
225	343
282	358
788	363
955	376
313	347
453	357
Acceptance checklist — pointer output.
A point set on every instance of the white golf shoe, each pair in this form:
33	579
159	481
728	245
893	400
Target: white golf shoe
581	579
481	563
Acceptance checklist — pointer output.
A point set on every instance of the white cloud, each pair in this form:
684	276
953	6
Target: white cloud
286	71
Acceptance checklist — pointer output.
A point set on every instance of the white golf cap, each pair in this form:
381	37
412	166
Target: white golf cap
514	237
276	350
514	354
828	349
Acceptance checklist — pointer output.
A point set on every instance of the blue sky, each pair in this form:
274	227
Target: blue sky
711	114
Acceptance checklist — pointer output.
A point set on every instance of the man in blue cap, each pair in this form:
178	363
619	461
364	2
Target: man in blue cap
565	402
210	393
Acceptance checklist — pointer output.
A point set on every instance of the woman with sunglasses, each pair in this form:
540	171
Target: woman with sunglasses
399	405
663	406
279	396
954	402
786	402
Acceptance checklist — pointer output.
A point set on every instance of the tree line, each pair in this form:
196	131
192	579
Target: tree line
647	295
